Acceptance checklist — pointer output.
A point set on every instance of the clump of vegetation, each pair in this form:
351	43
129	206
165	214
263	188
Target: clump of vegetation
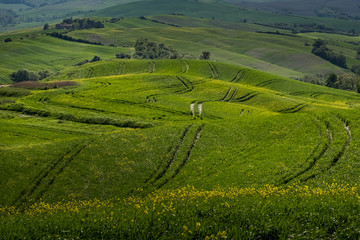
7	40
94	59
123	56
205	55
146	49
320	49
22	75
68	38
348	81
84	23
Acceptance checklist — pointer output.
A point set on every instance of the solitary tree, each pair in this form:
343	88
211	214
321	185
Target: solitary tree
205	55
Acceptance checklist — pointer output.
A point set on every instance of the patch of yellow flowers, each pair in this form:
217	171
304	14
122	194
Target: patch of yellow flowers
166	198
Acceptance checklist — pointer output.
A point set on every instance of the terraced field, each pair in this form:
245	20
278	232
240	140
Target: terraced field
130	128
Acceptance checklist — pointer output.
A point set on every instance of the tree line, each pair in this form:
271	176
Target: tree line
320	49
23	75
145	49
68	38
83	23
345	81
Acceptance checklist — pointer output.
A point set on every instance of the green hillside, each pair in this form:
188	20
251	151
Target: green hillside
108	145
126	130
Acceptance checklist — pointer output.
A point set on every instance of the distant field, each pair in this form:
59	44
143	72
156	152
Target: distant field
126	130
218	10
43	52
248	45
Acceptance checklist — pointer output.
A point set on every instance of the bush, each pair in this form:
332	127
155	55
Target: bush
95	59
44	74
205	55
146	49
7	40
24	75
123	56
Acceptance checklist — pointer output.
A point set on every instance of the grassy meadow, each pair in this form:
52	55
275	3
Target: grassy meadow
120	155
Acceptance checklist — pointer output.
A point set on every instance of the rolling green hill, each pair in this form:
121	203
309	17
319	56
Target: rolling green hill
126	130
226	148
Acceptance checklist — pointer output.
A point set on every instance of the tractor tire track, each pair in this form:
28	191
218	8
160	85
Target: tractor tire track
247	97
239	76
187	157
91	72
314	157
232	95
346	146
185	66
186	83
268	82
294	109
121	70
226	95
335	159
174	153
214	72
44	180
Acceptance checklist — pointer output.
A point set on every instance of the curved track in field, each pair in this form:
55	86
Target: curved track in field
174	164
46	177
318	152
187	156
294	109
239	76
213	70
324	152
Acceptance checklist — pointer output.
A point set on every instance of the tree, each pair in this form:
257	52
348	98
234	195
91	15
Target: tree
23	75
44	74
46	26
319	43
95	59
331	80
7	40
205	55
